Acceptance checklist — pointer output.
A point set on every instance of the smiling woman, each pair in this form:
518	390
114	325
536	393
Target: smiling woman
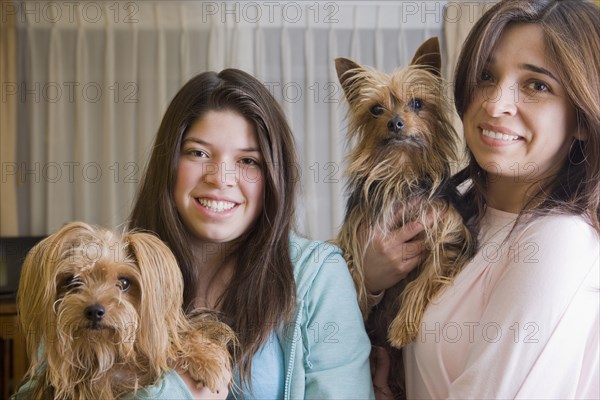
220	191
522	317
525	309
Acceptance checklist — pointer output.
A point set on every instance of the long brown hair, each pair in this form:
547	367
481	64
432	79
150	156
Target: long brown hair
572	39
261	293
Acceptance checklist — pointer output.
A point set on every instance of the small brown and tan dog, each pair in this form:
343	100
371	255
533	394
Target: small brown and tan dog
403	146
103	316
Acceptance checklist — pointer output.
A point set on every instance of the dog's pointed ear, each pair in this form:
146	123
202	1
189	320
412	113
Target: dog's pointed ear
428	56
348	73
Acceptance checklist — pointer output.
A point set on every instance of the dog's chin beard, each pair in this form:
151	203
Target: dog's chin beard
403	140
97	332
99	342
91	368
94	356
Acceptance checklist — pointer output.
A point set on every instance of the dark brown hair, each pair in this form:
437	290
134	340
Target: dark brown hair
261	293
572	39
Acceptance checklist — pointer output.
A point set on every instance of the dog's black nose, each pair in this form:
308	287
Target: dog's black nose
94	313
395	124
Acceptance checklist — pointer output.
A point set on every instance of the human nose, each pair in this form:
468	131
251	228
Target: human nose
501	99
221	174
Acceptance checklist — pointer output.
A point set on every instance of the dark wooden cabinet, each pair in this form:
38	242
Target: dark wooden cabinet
12	349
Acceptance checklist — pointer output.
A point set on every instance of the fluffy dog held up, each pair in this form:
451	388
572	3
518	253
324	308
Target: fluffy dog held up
104	319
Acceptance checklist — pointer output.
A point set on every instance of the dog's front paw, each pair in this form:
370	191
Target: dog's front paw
200	391
211	367
208	344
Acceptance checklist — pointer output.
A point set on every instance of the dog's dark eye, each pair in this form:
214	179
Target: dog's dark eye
123	284
416	104
377	110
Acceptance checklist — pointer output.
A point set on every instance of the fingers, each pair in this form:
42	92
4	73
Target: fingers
412	249
403	243
410	264
403	234
382	362
408	231
380	370
390	258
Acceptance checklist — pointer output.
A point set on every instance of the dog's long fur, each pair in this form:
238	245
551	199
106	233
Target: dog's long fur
398	171
103	317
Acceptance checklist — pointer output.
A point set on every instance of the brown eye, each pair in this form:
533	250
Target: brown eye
197	153
485	76
416	104
377	110
249	161
538	86
123	284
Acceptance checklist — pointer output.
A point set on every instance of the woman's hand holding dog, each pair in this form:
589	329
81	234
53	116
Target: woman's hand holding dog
389	258
380	370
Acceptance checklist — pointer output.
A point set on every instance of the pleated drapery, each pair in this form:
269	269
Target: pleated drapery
93	80
8	126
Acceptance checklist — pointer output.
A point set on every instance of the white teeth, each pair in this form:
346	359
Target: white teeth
216	206
499	136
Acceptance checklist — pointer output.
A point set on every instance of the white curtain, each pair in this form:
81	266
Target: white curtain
8	127
94	79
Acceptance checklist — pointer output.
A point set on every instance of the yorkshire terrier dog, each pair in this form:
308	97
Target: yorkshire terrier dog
398	171
103	317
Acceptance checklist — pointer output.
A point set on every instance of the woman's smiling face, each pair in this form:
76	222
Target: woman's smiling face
520	122
219	189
